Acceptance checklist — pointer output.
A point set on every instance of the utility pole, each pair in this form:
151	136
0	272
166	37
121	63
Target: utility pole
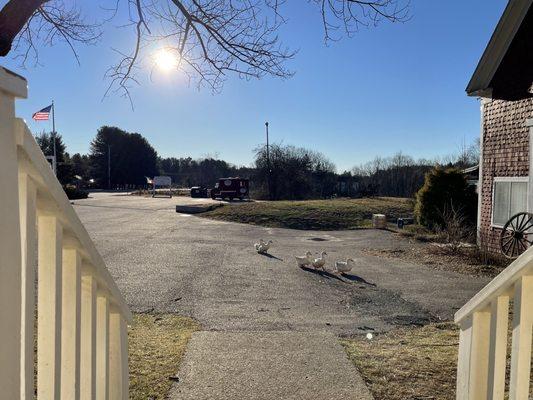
268	164
109	166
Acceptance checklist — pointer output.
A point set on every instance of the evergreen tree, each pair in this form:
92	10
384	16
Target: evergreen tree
132	158
64	167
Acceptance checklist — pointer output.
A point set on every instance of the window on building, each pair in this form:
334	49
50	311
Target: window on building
509	198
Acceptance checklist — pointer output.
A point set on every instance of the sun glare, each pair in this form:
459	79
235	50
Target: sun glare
165	60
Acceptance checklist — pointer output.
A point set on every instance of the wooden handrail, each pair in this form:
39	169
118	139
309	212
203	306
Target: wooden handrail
55	200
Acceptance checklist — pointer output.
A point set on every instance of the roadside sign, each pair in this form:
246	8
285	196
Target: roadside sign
161	182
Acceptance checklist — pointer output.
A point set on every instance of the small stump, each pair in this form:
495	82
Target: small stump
379	221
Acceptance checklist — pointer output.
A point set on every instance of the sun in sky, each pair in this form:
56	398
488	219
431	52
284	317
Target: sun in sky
165	59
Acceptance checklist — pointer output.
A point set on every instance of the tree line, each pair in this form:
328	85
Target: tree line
124	160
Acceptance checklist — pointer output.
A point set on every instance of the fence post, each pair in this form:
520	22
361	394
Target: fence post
49	307
521	346
102	347
11	87
28	241
70	325
88	337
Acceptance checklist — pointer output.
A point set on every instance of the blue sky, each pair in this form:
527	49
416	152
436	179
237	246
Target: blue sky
397	87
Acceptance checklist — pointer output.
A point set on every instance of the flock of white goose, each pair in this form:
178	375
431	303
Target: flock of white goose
308	260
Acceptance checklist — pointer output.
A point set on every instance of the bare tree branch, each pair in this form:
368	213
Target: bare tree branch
209	38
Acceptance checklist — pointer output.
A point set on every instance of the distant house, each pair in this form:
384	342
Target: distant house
503	80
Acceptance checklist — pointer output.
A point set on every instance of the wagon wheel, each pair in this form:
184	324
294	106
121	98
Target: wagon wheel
516	236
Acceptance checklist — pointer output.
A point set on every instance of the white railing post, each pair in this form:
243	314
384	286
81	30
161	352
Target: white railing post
463	364
479	356
11	86
28	241
49	307
102	347
125	365
498	347
88	337
521	346
118	357
70	326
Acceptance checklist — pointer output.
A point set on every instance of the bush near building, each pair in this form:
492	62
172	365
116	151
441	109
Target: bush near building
445	191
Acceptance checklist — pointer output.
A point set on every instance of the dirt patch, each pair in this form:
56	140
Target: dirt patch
430	255
156	345
408	363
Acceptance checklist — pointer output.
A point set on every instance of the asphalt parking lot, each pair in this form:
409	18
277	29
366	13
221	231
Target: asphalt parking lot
169	262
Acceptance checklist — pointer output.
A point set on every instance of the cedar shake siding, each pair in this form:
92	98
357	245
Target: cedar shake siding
505	154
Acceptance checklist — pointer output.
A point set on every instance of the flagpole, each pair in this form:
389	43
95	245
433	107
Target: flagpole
54	135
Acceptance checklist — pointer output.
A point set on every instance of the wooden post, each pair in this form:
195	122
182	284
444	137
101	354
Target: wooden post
125	366
49	308
28	242
70	326
88	337
11	86
479	356
463	364
498	347
115	367
118	357
102	347
521	346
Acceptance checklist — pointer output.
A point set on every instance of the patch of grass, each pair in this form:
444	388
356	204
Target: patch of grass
335	214
156	345
408	363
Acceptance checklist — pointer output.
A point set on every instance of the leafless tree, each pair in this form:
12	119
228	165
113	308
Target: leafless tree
210	38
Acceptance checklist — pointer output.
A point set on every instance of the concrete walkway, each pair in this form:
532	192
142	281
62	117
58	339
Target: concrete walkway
267	365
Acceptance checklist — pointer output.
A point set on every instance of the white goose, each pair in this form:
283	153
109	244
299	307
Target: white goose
320	261
304	261
263	247
258	246
343	267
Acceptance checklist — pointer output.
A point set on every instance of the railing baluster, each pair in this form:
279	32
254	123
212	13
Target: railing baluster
10	259
70	326
28	241
102	347
521	346
125	366
498	347
49	308
118	357
463	365
88	337
479	362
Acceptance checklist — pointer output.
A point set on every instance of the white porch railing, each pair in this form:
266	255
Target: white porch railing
484	323
47	255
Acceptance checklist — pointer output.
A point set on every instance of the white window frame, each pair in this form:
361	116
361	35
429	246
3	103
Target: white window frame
511	179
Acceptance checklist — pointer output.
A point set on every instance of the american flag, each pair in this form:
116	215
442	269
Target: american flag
42	115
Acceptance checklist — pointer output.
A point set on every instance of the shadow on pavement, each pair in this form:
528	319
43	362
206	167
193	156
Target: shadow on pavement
270	256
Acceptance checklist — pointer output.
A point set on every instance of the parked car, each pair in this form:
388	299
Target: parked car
231	188
197	191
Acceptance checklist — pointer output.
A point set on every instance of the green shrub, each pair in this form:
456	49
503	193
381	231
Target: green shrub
73	193
445	190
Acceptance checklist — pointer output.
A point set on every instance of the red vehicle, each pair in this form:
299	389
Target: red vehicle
231	188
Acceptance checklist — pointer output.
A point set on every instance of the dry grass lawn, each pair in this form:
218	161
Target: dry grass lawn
408	363
156	345
332	214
